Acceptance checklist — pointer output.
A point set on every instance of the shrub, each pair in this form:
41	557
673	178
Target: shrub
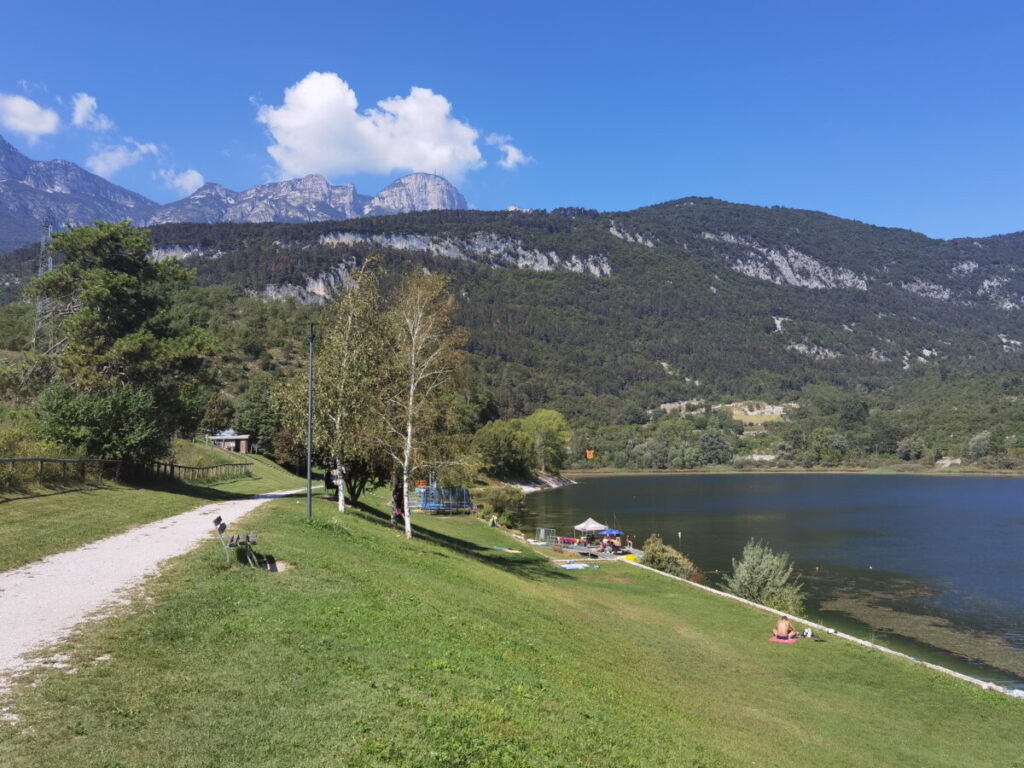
765	577
506	501
979	445
127	423
17	439
910	448
658	554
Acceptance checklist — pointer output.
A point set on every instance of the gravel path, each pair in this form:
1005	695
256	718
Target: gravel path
40	603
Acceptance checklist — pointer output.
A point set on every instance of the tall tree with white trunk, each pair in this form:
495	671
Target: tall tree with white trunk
425	357
348	374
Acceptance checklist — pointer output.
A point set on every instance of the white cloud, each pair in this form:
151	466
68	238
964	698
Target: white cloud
24	116
185	182
28	86
319	129
86	115
513	155
108	159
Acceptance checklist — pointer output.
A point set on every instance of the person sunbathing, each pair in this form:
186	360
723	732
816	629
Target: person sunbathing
784	630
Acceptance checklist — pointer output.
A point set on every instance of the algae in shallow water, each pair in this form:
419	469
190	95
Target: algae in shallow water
877	610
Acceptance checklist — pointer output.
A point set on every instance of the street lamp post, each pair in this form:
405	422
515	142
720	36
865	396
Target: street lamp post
309	431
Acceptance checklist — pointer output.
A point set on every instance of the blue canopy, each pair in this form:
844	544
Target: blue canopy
612	532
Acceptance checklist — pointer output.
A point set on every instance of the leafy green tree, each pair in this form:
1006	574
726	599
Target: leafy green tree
348	383
767	578
372	470
828	446
550	435
504	449
114	300
713	448
218	413
15	325
117	346
289	447
883	434
256	413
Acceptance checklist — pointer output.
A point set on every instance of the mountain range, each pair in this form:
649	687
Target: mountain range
597	313
35	194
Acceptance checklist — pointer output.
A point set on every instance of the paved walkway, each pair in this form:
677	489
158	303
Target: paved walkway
42	602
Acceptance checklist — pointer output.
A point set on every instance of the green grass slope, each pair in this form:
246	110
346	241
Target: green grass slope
43	521
444	651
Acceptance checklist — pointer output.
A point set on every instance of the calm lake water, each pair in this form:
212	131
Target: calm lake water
931	566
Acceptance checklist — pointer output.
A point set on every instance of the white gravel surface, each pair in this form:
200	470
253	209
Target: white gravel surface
42	602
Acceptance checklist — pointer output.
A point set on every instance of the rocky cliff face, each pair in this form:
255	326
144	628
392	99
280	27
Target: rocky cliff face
13	164
34	194
417	192
207	205
965	282
483	247
784	266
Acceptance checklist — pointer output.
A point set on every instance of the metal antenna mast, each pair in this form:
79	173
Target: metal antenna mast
43	328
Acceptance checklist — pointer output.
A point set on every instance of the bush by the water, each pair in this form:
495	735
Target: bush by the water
506	501
767	578
658	554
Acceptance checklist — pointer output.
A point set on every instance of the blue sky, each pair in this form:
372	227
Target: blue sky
898	114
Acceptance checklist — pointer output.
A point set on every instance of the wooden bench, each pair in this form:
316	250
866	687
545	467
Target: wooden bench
243	541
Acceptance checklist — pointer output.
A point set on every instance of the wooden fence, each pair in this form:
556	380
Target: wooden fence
212	472
15	472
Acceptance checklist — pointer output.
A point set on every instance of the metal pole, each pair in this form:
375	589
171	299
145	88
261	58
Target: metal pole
309	432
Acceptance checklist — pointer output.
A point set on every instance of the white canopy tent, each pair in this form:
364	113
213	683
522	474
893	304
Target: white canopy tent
590	525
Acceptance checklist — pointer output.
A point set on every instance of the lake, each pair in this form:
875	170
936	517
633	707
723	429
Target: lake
931	566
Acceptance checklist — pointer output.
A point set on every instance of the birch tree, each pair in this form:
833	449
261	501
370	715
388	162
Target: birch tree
348	381
423	364
348	368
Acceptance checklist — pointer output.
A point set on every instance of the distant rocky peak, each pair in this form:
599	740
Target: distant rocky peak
210	189
13	164
417	192
308	189
312	183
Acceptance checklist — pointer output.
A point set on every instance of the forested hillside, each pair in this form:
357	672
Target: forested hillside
564	310
607	316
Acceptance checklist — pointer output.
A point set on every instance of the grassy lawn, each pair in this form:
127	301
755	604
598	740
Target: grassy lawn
444	651
193	454
43	521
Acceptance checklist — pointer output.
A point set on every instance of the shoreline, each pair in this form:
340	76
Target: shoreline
1011	690
722	470
930	633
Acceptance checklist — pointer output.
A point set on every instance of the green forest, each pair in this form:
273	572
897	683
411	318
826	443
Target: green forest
638	329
